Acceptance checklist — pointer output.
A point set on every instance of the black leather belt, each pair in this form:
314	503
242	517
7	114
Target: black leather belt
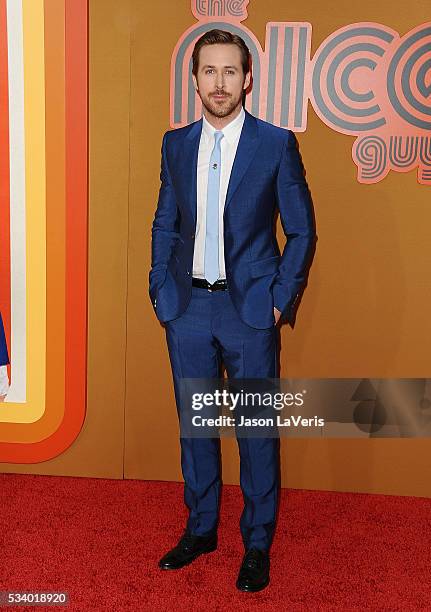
219	285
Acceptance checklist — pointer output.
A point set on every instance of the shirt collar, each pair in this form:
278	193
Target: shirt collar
230	131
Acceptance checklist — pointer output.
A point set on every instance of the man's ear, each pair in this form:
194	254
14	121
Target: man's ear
195	83
247	80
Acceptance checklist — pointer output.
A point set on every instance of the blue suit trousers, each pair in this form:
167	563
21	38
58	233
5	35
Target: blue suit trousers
208	333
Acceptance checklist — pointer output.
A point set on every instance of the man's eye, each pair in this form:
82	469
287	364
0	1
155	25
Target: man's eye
209	70
230	72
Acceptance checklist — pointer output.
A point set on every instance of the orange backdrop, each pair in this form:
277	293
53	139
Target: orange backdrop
364	313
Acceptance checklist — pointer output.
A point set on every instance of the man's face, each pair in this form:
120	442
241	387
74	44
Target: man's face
220	80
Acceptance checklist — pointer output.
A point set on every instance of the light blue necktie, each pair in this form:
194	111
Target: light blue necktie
211	265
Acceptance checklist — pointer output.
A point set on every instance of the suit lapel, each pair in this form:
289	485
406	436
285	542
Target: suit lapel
247	147
189	164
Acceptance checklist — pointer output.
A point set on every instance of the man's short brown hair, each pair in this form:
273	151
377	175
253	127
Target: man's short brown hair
221	37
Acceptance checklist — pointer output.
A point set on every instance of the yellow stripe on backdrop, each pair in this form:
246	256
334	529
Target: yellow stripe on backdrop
34	123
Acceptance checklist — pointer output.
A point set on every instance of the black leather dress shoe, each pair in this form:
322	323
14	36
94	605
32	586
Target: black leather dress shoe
254	572
187	550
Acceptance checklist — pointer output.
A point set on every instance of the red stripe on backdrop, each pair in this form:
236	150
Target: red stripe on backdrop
76	209
5	283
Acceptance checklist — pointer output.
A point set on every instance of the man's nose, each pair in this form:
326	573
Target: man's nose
220	80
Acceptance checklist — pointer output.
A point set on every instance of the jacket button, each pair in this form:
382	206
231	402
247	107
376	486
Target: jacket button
188	272
192	235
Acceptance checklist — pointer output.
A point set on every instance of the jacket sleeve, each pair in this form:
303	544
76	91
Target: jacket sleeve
297	219
164	231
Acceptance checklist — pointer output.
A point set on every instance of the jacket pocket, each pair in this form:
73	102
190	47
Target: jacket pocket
262	267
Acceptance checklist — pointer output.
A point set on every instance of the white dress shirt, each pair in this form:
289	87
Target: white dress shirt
229	145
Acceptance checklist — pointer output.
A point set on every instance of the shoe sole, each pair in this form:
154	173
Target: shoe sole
203	552
246	589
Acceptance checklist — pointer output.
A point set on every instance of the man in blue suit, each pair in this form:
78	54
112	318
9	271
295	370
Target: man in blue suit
220	285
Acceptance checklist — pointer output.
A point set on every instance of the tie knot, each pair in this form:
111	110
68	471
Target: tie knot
218	135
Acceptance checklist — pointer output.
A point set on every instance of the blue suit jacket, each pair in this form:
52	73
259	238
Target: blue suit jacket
267	173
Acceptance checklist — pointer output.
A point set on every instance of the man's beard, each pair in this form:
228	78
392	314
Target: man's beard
221	110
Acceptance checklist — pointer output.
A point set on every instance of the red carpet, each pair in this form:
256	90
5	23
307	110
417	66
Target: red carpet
100	541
